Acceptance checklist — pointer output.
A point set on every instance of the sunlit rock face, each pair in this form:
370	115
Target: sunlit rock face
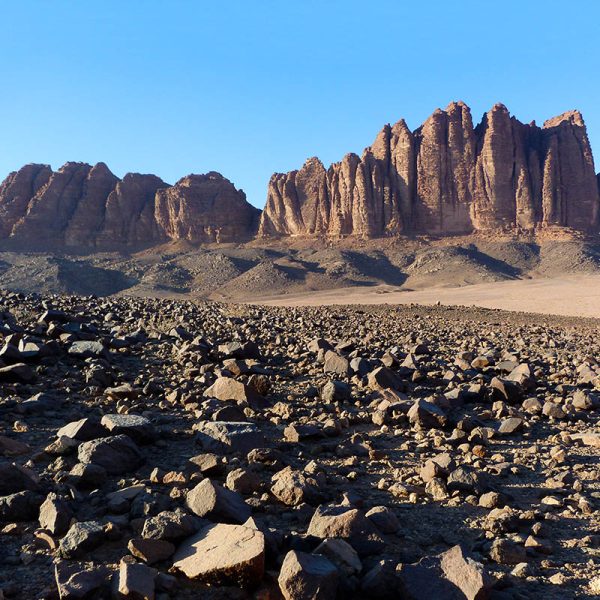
446	177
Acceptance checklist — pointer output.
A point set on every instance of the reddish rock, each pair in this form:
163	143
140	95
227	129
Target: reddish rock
223	554
570	189
51	208
129	216
446	177
444	163
80	206
17	190
205	208
297	202
305	576
86	220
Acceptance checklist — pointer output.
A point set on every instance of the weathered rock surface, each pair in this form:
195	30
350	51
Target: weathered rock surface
204	208
446	177
210	500
349	524
305	576
117	454
222	554
87	207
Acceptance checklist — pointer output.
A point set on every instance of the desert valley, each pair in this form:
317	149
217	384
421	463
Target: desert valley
384	385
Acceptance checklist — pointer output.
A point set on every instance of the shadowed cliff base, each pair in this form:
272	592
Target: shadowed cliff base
378	270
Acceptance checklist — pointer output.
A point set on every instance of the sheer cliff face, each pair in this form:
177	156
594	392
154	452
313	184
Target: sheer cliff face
298	202
447	177
129	215
16	192
444	164
80	206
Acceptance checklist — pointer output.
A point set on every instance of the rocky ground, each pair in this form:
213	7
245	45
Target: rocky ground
239	272
169	449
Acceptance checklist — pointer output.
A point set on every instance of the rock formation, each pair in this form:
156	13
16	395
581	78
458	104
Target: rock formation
204	208
447	177
85	207
17	190
129	216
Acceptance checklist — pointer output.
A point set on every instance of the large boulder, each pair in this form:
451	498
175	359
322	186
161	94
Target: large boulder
212	501
349	524
138	428
307	577
223	554
116	454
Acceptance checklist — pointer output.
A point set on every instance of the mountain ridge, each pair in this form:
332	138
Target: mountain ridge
447	177
85	206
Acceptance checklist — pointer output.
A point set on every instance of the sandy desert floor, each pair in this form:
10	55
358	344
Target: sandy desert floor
572	296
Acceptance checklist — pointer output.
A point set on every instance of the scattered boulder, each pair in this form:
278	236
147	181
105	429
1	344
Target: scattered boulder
15	478
223	437
349	524
293	487
81	580
81	538
223	554
210	500
55	515
303	576
139	429
227	388
116	454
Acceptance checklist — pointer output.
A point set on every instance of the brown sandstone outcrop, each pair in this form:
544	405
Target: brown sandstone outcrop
570	192
298	201
446	177
85	207
129	216
51	208
204	208
16	192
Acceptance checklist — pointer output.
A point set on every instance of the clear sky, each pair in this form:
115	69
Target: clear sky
251	87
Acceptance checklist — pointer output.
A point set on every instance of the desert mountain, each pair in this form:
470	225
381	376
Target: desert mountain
446	177
80	206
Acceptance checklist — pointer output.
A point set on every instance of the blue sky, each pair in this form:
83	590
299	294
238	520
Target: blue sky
252	87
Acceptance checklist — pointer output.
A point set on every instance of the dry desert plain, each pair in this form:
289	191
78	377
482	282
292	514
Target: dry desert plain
576	296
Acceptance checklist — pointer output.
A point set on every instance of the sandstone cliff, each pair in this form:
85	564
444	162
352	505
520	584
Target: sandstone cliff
446	177
85	207
204	208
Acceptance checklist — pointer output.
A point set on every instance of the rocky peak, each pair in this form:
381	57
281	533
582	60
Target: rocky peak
298	201
380	148
204	208
571	117
81	206
448	177
17	190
